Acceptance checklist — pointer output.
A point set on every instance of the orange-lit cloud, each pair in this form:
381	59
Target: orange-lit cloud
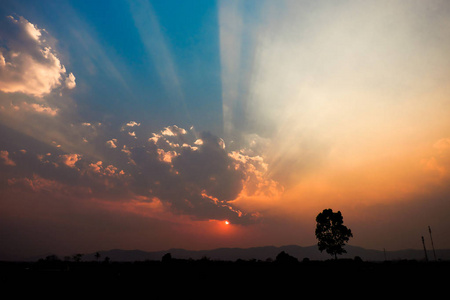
112	143
70	159
4	155
201	180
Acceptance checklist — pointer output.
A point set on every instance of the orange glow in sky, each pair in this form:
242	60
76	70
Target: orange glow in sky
224	124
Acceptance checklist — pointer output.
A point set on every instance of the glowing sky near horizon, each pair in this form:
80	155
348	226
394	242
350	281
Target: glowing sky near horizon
150	124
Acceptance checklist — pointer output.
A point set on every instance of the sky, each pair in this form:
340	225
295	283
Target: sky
147	124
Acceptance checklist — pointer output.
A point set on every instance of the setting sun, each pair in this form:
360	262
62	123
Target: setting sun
227	223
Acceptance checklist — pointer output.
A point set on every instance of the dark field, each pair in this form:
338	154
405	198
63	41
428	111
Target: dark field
197	276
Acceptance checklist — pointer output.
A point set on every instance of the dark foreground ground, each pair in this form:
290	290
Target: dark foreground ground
239	279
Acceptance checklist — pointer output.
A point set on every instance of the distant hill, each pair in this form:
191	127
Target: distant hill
267	252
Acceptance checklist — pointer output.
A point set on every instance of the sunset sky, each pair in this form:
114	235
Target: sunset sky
147	124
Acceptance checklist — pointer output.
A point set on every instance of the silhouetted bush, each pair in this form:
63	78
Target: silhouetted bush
167	258
285	258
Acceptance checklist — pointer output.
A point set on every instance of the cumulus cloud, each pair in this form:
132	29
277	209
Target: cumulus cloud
130	125
166	156
112	143
36	183
70	81
189	174
4	156
70	159
40	108
109	170
173	130
133	123
197	176
155	138
28	62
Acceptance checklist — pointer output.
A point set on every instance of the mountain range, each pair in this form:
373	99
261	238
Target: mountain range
268	252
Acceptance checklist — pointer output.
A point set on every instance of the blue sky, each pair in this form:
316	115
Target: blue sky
151	123
117	67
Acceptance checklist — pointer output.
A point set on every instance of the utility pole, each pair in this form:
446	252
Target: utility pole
424	249
432	244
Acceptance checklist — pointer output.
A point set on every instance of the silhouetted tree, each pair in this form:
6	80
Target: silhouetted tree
205	258
77	257
97	255
331	232
50	261
52	258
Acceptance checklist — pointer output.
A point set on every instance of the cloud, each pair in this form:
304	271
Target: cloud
190	174
130	125
196	176
133	123
36	184
28	62
4	155
41	108
70	81
70	159
109	170
166	156
173	130
112	143
155	138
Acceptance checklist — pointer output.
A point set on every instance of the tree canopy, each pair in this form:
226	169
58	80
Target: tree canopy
331	233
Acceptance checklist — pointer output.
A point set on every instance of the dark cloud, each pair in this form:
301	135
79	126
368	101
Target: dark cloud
190	174
192	177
